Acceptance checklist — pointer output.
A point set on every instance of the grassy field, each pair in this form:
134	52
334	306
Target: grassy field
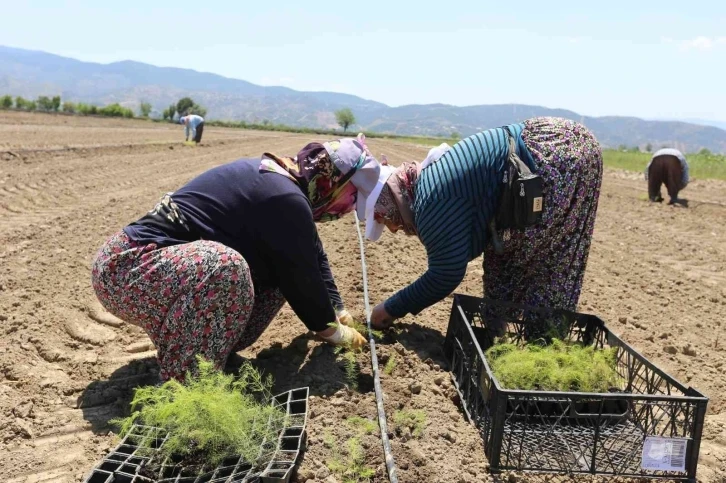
700	166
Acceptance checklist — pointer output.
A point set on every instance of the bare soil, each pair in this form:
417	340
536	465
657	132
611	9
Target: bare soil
656	274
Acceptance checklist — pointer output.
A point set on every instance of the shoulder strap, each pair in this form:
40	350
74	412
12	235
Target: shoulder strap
521	167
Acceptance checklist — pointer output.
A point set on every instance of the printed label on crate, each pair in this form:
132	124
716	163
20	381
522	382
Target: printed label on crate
664	454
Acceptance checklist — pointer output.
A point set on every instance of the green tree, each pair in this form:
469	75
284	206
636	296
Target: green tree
116	110
20	102
56	103
31	105
145	109
704	152
44	103
69	107
169	113
345	118
6	102
198	110
455	136
648	148
184	105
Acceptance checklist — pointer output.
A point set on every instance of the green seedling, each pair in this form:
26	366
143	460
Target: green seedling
362	425
350	366
390	365
414	420
347	355
351	466
559	366
209	416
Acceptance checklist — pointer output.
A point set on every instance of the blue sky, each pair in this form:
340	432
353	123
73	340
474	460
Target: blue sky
652	59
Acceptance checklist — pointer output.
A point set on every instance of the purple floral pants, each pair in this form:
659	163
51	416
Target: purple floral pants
544	266
194	298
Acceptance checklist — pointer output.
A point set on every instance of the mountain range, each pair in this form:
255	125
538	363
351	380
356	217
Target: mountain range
31	73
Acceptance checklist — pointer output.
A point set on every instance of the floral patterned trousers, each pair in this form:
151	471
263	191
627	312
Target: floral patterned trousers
544	265
192	299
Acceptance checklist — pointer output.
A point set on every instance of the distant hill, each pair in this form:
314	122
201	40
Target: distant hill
32	73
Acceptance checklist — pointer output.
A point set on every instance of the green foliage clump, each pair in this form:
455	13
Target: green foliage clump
209	416
69	107
345	118
86	109
45	103
186	105
145	109
351	465
559	366
363	425
168	113
6	102
116	110
414	420
390	365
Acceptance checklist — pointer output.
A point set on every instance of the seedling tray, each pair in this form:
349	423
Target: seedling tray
650	427
125	463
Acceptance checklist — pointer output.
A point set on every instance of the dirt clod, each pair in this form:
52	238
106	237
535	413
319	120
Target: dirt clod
24	410
670	349
415	388
689	351
322	472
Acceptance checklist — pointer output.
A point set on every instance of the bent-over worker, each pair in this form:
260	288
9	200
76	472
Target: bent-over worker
208	268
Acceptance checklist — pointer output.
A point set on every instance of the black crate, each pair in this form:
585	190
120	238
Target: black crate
279	458
570	432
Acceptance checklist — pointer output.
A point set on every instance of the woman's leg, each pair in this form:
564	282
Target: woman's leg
268	302
545	265
655	180
673	177
192	299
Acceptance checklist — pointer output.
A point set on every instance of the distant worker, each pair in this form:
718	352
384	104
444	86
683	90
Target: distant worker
669	167
193	124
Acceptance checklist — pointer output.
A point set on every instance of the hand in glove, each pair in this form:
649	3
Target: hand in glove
342	335
345	318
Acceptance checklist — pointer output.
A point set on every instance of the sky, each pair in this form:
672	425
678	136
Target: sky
646	58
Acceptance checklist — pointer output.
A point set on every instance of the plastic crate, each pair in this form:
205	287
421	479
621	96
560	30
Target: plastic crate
653	421
125	462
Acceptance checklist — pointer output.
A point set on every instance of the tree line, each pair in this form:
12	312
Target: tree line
184	106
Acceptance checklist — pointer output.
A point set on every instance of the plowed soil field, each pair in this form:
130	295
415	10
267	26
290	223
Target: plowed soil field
656	274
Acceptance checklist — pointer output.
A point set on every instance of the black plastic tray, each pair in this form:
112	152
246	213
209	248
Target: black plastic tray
568	432
124	463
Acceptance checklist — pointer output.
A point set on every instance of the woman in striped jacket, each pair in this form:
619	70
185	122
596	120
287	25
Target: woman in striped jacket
448	205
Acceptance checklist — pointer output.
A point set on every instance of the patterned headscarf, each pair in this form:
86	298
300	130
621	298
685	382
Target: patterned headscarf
395	203
329	191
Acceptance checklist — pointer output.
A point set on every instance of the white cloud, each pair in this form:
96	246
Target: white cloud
703	43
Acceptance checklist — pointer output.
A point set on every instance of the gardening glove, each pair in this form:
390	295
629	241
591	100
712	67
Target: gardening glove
345	318
345	336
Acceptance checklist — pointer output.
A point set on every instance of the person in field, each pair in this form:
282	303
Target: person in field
669	167
193	127
208	268
449	203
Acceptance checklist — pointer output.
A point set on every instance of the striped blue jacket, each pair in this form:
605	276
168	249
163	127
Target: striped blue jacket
454	200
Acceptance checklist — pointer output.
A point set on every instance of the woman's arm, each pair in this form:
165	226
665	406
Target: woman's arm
328	278
444	228
290	238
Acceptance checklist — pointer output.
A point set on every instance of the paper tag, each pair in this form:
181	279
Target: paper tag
537	202
664	454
